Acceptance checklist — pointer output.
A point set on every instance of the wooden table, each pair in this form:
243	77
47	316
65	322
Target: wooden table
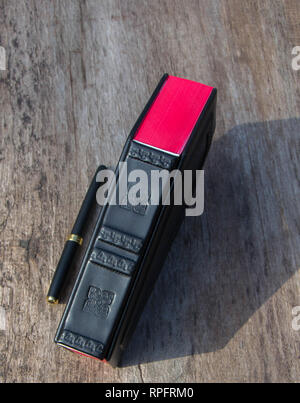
78	75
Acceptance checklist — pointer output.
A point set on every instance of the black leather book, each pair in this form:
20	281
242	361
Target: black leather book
130	242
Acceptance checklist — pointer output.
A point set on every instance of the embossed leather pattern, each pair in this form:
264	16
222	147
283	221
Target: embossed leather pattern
113	260
152	156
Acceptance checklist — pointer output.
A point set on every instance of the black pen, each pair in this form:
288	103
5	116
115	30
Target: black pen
74	240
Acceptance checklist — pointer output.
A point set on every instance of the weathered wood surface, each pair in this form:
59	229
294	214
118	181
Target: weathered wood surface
78	74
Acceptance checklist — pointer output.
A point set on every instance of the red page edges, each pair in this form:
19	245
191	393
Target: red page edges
173	115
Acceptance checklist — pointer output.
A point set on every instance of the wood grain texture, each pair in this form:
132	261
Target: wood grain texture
78	75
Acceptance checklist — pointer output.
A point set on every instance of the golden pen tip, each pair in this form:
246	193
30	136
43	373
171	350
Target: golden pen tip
52	300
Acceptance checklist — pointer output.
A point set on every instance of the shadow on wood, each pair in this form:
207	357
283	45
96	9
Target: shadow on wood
225	264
